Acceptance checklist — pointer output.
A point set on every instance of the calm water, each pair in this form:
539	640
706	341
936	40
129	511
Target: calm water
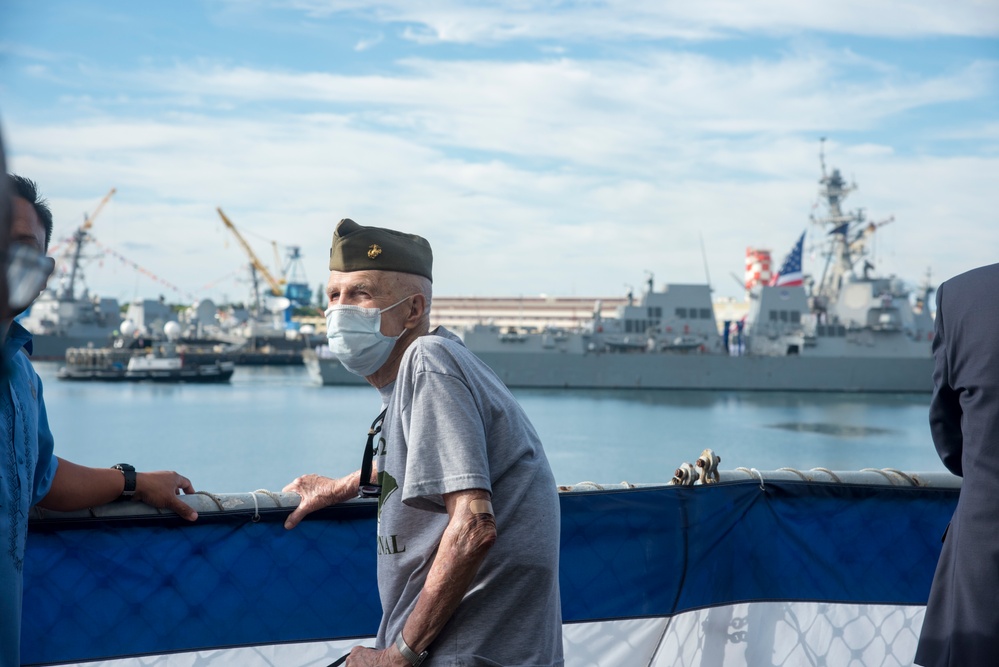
272	424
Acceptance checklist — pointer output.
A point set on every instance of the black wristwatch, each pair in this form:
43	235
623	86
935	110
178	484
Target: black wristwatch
129	473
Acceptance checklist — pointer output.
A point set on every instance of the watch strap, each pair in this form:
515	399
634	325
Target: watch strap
129	472
409	654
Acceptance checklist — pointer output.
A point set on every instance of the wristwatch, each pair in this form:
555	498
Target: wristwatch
129	473
408	653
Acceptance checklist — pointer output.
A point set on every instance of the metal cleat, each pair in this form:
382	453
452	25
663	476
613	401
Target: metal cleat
685	475
708	462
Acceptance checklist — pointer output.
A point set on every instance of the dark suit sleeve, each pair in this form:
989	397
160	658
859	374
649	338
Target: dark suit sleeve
945	408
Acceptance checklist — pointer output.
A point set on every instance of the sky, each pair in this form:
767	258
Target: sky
561	148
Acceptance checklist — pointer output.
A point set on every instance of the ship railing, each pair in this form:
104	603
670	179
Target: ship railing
865	476
204	501
781	567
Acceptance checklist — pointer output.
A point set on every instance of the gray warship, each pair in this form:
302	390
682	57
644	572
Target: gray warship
61	318
845	331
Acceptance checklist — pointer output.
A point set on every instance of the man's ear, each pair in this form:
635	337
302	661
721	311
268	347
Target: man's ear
417	309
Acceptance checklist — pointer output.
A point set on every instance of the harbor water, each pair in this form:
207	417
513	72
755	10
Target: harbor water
272	424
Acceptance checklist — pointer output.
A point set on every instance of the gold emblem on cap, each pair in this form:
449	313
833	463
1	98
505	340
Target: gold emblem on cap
374	251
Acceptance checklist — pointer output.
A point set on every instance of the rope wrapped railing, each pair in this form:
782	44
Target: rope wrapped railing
204	501
866	476
809	566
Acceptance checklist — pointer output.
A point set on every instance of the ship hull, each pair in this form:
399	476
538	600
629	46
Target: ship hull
787	373
201	375
53	347
688	371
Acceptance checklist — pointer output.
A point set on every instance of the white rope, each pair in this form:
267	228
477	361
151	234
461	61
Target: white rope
273	496
256	508
880	472
753	472
903	475
215	499
797	472
830	473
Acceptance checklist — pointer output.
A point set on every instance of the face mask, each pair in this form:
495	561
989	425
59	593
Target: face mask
27	271
356	339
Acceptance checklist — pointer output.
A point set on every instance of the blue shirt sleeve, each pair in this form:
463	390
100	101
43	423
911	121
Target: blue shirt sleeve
47	464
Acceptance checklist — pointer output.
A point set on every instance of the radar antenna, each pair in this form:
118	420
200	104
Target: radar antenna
704	258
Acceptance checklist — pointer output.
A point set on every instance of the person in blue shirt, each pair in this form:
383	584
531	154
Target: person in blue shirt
5	206
30	473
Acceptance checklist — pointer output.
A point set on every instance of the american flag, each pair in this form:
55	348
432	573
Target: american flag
790	271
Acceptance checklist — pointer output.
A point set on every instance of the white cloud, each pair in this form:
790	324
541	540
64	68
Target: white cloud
489	22
560	175
368	43
496	228
587	112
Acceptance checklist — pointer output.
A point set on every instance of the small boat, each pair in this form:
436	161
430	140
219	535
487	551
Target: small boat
158	367
163	363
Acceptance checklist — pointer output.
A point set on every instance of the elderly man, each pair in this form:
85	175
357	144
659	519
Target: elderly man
468	510
29	471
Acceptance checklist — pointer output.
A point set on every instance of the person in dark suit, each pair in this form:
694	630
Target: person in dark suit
961	625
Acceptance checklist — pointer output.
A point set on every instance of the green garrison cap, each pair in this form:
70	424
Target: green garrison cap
358	248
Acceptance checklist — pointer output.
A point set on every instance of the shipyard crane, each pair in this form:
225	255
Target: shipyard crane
297	285
88	220
277	258
273	282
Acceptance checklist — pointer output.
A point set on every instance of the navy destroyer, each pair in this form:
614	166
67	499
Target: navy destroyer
61	318
846	330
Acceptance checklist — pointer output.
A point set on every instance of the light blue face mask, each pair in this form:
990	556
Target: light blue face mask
27	271
356	339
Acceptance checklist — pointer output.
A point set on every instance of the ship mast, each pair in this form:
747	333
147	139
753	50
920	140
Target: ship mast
846	234
79	238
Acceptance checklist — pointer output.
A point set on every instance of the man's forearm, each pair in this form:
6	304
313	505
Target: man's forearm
463	547
77	487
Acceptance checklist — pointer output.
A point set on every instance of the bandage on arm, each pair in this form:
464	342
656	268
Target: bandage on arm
479	506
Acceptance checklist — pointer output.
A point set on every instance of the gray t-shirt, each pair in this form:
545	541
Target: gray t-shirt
451	425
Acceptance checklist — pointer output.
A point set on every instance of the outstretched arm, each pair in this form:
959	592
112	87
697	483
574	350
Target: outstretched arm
76	487
318	492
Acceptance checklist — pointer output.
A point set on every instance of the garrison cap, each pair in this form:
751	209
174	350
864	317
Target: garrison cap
359	248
